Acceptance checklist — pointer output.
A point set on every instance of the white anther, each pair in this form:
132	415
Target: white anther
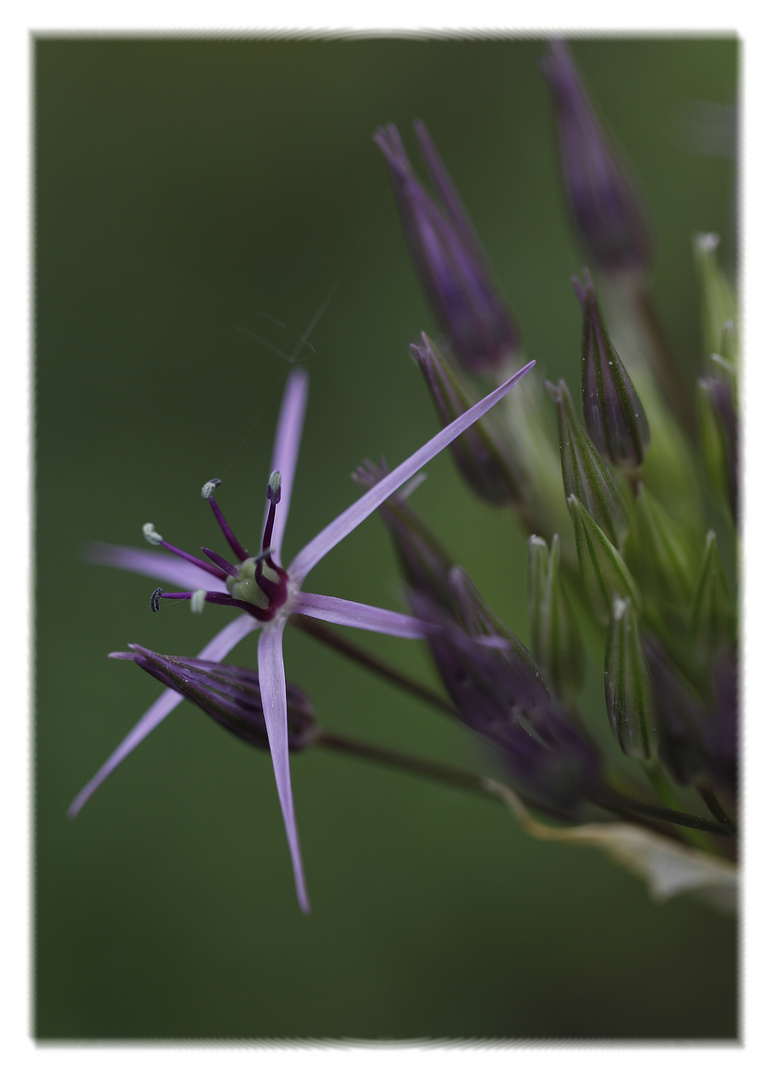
708	242
619	608
151	535
198	601
274	485
209	487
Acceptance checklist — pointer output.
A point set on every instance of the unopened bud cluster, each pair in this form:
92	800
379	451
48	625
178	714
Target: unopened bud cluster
623	502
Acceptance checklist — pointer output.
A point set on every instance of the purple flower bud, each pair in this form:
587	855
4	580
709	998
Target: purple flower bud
449	260
604	202
479	453
228	694
495	693
425	564
613	413
698	729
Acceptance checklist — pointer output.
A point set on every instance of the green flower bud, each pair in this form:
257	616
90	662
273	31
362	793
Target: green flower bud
554	635
712	622
628	686
614	416
584	473
659	555
719	301
719	435
603	571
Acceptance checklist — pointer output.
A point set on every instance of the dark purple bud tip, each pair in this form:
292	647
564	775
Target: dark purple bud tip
601	193
155	599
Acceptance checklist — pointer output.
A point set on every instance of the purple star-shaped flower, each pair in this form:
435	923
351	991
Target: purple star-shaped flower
268	594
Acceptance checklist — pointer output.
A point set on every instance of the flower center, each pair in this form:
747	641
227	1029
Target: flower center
256	583
260	581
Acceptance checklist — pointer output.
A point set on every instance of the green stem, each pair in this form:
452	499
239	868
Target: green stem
430	770
664	790
620	803
321	632
715	807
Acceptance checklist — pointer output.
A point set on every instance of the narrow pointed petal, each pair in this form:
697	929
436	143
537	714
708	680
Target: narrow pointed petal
286	447
270	660
346	522
150	563
363	616
217	649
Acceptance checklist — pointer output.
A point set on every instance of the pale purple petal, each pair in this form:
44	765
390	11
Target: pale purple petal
286	447
346	522
270	662
152	564
217	649
364	616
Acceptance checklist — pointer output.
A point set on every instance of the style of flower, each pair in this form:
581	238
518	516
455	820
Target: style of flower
266	593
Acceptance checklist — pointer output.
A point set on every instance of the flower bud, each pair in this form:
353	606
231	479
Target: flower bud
614	416
554	635
228	694
584	473
719	434
698	730
628	690
424	562
602	196
479	453
660	554
712	622
547	756
719	302
603	571
448	259
479	621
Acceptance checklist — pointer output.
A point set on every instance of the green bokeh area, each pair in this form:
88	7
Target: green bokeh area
191	197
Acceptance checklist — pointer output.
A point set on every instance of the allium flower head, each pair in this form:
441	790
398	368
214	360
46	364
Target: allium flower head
602	196
450	262
266	593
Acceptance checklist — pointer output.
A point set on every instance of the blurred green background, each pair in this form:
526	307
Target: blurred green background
191	194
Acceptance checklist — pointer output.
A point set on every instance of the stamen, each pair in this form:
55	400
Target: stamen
223	564
151	536
224	599
273	495
198	601
274	487
155	599
206	492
